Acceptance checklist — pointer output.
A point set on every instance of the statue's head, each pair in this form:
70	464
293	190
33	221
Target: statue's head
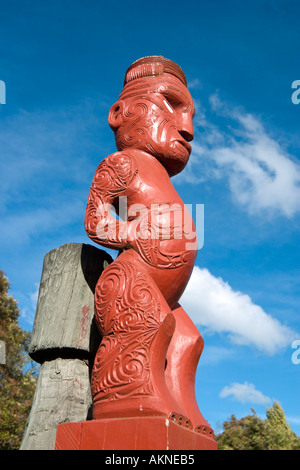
155	112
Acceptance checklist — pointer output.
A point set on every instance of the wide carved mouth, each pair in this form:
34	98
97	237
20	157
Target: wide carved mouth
185	144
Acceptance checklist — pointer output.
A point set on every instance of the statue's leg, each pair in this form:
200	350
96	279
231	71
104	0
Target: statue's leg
183	356
128	377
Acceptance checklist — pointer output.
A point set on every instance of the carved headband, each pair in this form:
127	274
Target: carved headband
153	66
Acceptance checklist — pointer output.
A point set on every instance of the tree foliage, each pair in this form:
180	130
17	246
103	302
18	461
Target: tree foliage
254	433
17	380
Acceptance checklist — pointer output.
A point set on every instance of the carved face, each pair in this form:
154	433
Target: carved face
155	114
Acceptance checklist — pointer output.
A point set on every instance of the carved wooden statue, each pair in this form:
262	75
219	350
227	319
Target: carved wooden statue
147	359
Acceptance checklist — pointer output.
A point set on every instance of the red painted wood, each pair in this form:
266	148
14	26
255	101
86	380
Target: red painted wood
152	433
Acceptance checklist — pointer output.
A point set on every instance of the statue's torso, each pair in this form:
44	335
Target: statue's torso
166	237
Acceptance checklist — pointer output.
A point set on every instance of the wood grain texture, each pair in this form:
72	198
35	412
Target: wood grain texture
64	341
62	395
65	308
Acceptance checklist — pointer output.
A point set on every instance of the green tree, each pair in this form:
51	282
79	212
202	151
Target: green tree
254	433
17	379
279	434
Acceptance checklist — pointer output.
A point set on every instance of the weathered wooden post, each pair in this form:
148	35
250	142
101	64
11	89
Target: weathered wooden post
64	341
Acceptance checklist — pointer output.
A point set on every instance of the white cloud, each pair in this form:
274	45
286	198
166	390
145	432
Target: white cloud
245	393
263	176
34	295
212	303
293	419
29	301
194	84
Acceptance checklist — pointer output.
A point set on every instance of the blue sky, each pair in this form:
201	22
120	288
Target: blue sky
63	64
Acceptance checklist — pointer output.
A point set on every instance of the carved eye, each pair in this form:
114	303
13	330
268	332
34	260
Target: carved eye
168	106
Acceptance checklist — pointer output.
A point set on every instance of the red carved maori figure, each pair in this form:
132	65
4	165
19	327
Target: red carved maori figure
147	359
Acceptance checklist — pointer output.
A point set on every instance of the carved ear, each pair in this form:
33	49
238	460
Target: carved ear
115	116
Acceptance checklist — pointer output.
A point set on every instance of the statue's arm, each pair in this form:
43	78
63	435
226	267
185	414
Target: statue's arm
111	180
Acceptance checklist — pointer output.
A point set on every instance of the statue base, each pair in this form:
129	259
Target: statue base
148	433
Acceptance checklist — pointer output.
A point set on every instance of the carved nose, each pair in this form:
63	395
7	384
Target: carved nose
185	128
187	135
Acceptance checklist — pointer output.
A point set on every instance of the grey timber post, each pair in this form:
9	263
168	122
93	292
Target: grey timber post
64	341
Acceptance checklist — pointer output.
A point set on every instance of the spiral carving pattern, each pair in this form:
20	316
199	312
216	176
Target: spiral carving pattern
127	312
